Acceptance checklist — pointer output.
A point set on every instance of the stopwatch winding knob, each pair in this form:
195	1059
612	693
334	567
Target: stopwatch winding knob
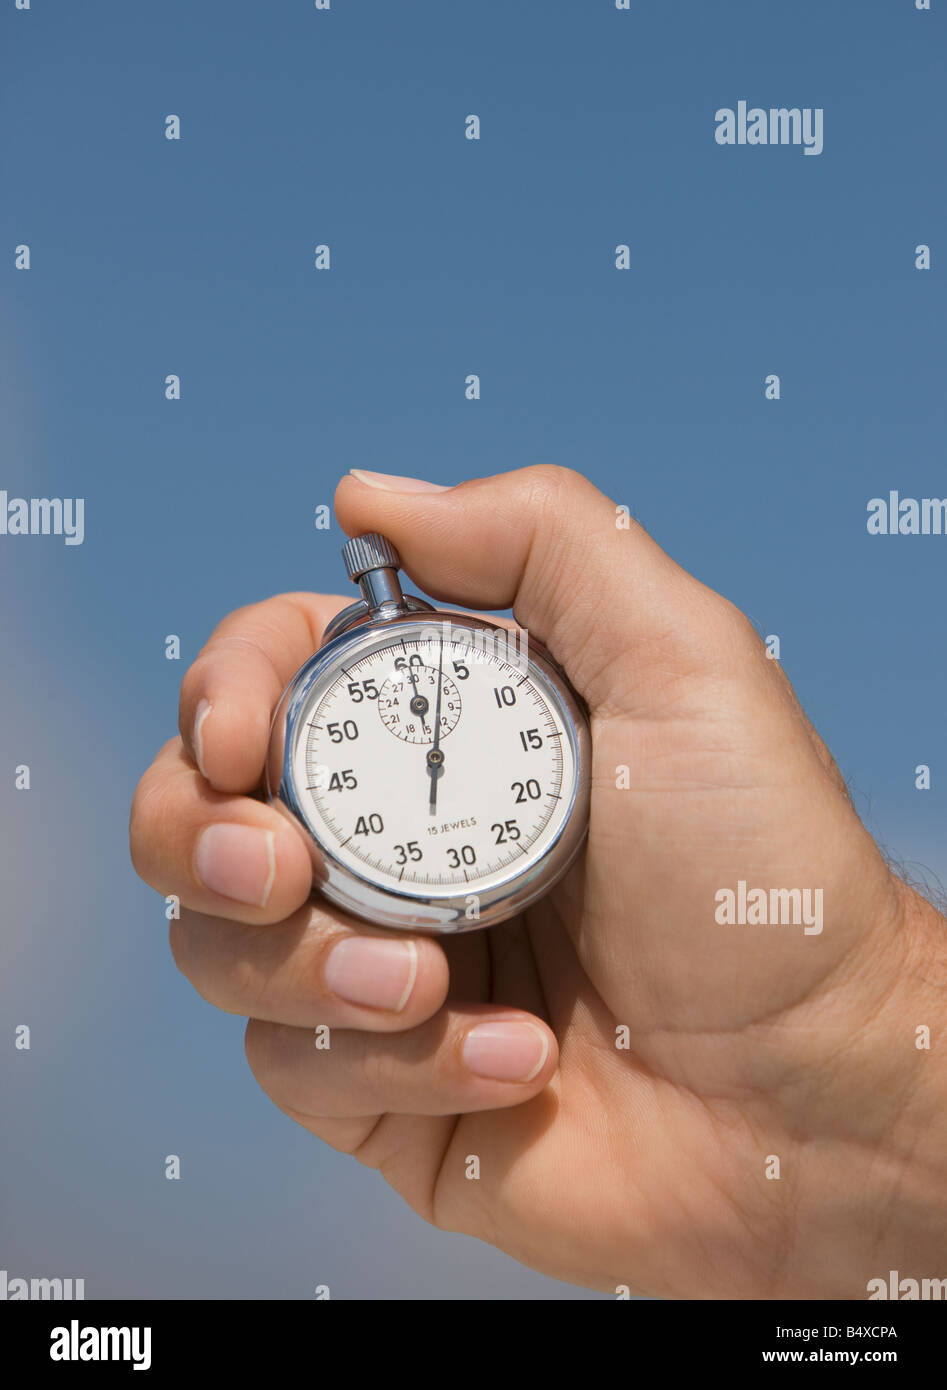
369	552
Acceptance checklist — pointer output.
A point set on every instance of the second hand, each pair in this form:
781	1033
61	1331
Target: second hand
435	758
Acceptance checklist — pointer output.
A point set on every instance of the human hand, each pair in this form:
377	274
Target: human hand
670	1057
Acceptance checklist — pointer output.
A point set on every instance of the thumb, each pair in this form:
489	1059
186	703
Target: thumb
580	576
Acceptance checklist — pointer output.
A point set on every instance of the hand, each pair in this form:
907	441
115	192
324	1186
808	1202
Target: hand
624	1067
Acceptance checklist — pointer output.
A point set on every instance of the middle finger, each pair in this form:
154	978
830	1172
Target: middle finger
318	967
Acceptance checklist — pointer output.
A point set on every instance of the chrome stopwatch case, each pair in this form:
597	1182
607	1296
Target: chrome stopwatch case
438	765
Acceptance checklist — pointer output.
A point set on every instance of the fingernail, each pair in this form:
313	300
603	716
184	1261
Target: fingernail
203	710
506	1051
370	971
237	861
393	482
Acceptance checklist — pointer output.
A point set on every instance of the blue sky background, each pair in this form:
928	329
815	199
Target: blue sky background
448	257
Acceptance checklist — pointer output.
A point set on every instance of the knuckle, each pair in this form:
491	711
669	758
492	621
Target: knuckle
243	987
233	984
734	619
192	681
377	1071
237	618
258	1046
144	819
547	484
150	815
178	942
723	626
259	625
272	1058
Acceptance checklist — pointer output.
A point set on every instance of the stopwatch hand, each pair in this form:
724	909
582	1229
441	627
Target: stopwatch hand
435	758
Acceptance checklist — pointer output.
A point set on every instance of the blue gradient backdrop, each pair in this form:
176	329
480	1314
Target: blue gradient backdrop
449	257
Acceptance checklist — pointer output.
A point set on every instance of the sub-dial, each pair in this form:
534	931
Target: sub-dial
407	704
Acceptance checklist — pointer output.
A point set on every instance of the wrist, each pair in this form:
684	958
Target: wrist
876	1168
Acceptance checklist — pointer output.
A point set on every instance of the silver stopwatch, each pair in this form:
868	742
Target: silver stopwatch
437	765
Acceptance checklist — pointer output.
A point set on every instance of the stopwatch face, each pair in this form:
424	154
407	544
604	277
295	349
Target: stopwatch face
434	761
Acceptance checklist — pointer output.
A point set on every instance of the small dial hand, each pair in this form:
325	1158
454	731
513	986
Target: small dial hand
419	704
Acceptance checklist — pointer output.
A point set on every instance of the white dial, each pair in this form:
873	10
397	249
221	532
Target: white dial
429	763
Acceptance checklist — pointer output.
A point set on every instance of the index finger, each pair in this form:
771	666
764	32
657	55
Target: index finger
230	692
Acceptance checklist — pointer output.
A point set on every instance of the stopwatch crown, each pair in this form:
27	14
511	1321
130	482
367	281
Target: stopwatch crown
369	552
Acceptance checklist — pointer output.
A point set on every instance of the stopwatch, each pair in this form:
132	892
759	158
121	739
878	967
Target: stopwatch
438	765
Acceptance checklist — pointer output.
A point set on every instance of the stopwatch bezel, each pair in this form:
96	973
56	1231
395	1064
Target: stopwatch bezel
391	907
